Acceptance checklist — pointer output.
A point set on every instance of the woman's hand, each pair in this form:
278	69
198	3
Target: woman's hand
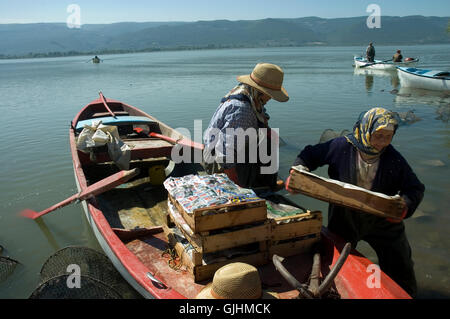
288	180
404	210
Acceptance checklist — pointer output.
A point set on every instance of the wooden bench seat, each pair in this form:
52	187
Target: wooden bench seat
140	149
102	114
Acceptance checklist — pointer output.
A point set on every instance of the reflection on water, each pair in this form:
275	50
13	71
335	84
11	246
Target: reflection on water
371	73
407	95
441	99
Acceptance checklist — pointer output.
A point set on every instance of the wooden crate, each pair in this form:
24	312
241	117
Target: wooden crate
344	194
295	234
212	241
223	216
201	271
296	226
292	247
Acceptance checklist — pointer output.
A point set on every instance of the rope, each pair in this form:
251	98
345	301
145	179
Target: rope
175	261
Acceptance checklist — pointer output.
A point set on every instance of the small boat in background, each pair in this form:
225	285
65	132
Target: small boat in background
361	62
424	79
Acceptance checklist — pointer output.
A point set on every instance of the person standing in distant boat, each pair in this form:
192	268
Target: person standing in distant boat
397	56
243	109
370	53
367	159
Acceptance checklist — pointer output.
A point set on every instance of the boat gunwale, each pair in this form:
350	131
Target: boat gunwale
128	260
404	69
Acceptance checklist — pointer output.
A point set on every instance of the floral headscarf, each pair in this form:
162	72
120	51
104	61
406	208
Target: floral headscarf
368	123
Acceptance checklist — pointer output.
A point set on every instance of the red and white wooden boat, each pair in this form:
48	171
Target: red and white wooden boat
126	220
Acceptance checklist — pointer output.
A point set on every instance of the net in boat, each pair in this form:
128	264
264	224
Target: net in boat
59	287
330	134
93	270
7	266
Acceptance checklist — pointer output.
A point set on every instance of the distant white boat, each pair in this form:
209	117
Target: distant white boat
424	79
361	62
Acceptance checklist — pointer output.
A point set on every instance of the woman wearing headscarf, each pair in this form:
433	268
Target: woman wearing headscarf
367	159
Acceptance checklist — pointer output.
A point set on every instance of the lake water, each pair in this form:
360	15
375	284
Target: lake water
39	98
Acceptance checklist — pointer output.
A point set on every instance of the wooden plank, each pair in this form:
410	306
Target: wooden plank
216	242
236	238
298	226
102	114
214	218
344	194
293	247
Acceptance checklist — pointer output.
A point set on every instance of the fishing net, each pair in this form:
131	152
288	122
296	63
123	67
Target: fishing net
96	271
330	134
7	266
88	288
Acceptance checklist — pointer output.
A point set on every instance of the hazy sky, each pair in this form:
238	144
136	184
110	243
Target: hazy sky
103	11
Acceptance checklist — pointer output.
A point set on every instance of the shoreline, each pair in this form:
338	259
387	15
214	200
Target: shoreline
59	54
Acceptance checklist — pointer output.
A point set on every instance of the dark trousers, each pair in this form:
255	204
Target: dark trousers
387	239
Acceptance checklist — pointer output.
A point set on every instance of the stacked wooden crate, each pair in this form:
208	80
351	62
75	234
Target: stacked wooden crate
217	231
209	238
295	234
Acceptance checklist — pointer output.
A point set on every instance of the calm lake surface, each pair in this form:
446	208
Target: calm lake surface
39	98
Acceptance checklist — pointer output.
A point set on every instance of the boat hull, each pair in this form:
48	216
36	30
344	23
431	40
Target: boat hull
410	79
141	260
380	65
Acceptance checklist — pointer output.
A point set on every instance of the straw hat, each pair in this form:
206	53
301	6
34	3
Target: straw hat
268	78
235	281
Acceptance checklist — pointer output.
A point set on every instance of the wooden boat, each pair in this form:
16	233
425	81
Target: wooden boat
361	62
129	220
424	79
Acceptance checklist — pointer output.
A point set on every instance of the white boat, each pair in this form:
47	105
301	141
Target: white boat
361	62
424	79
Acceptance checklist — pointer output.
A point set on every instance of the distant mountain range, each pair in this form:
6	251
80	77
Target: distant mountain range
55	39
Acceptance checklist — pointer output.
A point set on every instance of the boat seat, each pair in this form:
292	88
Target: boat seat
119	120
140	149
103	114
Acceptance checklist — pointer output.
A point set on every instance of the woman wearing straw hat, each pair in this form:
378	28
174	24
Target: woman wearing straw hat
243	108
366	158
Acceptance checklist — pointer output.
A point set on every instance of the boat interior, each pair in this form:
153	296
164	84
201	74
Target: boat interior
138	213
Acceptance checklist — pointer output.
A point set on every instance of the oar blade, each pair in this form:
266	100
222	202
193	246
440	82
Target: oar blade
28	213
101	186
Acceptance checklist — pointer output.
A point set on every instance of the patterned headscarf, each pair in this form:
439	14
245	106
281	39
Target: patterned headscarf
252	96
368	123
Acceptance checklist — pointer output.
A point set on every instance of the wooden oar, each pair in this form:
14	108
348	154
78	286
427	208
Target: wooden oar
181	141
93	190
373	63
106	105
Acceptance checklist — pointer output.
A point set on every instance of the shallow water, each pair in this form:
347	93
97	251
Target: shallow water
41	96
